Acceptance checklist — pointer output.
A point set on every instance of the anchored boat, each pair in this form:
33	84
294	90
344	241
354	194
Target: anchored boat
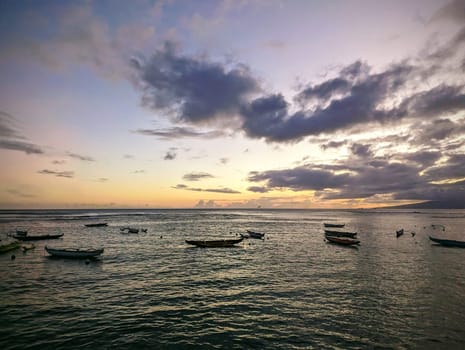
219	243
74	253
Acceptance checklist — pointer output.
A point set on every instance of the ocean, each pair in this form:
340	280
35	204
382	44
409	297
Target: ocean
291	290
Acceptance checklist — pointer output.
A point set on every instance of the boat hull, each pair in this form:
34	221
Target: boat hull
9	246
100	224
37	238
342	241
256	235
448	242
340	233
220	243
326	224
74	253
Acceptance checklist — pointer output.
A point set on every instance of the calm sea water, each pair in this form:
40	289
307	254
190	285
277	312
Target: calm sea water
290	291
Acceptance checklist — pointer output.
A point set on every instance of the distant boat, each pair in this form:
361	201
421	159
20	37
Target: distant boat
219	243
448	242
6	246
342	241
21	232
333	233
37	238
399	233
75	253
98	224
327	224
129	230
253	234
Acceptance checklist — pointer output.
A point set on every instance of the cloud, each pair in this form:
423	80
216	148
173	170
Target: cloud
80	157
223	190
197	176
191	89
224	160
180	132
454	10
58	162
171	154
128	156
67	174
258	189
360	150
11	138
207	204
140	171
103	179
20	193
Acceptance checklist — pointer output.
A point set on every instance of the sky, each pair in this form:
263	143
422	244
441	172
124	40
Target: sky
231	104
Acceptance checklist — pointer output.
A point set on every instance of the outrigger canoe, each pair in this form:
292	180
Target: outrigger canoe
448	242
342	241
37	238
219	243
340	233
74	253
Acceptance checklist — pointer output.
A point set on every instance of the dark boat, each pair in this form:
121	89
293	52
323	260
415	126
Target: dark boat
327	224
342	241
448	242
8	245
219	243
253	234
333	233
74	253
399	233
98	224
37	238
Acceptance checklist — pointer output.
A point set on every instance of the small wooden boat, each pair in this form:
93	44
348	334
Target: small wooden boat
219	243
37	238
399	233
342	241
6	246
253	234
328	224
98	224
74	253
333	233
448	242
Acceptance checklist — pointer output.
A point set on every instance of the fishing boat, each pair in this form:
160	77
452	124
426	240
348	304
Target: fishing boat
328	224
333	233
448	242
74	253
219	243
6	246
37	238
399	233
342	241
253	234
98	224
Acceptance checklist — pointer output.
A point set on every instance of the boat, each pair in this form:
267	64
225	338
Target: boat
399	233
26	247
21	232
129	230
253	234
327	224
342	241
333	233
37	238
98	224
75	253
6	246
219	243
448	242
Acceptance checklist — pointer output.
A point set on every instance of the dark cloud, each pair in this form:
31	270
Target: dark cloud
452	168
424	158
11	139
180	132
80	157
170	155
333	144
197	176
454	10
16	145
223	190
258	189
193	89
360	150
67	174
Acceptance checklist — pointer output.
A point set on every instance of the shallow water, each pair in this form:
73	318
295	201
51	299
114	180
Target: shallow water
290	291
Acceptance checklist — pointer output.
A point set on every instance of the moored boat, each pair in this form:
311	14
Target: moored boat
97	224
340	233
254	234
37	238
448	242
219	243
341	240
6	246
74	253
399	233
329	224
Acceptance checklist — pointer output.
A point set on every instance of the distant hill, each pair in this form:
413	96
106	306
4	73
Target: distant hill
452	204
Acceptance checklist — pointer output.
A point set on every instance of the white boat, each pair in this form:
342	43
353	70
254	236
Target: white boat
76	253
